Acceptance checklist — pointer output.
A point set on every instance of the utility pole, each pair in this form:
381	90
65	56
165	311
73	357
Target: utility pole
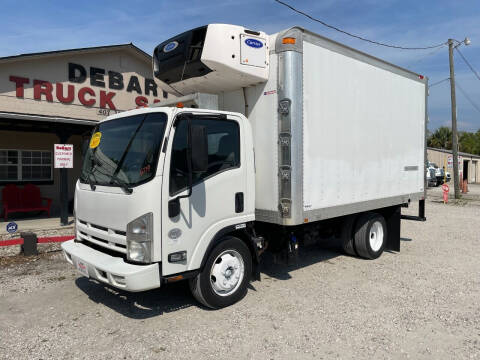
454	121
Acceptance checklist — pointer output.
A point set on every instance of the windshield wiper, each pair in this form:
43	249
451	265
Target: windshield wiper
127	148
122	184
115	178
89	180
94	163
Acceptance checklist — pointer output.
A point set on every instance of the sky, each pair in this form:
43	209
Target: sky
34	26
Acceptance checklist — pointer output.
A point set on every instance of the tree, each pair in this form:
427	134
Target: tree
469	142
441	138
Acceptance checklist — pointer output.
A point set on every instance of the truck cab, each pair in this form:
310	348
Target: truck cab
439	173
157	185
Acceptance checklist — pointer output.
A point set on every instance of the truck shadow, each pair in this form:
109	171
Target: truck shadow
279	267
177	296
141	305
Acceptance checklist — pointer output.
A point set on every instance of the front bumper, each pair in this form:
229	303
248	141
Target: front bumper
112	270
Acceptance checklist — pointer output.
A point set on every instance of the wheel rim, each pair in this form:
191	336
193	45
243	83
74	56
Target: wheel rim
376	236
227	273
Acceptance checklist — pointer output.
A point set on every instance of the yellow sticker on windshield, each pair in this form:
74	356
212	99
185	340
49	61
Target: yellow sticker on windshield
95	141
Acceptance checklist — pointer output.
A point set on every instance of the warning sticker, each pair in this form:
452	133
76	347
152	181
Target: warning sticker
95	141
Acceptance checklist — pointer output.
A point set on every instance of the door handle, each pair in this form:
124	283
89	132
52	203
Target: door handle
239	202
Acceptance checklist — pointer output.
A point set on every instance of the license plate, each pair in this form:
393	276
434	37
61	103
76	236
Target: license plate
82	268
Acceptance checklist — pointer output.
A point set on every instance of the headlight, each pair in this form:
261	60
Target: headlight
139	239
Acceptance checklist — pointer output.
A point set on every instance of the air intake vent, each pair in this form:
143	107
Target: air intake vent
178	58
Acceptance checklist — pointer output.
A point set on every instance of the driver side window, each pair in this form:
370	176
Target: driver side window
223	151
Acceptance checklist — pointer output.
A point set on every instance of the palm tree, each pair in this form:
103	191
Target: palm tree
441	138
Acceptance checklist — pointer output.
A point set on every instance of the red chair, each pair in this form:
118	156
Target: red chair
10	199
24	200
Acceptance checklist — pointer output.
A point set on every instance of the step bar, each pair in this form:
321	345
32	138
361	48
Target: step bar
421	213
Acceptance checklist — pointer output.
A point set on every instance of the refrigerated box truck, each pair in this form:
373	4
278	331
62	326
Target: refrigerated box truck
274	141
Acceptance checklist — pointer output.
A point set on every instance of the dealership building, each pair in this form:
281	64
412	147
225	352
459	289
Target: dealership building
58	97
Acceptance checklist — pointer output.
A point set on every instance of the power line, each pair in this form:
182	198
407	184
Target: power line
438	82
467	96
425	56
356	36
469	65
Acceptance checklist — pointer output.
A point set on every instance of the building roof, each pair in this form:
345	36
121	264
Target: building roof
129	47
464	154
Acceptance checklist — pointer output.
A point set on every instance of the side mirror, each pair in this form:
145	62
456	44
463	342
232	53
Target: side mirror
199	148
174	208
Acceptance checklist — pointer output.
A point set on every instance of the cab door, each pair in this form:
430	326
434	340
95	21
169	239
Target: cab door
216	200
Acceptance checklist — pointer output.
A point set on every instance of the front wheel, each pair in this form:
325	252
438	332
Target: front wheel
225	276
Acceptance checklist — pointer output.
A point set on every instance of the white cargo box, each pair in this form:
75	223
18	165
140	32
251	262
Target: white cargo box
336	131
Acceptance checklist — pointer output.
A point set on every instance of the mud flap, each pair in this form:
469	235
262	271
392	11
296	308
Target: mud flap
393	217
258	245
256	272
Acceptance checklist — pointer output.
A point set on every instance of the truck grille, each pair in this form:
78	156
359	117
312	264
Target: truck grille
102	236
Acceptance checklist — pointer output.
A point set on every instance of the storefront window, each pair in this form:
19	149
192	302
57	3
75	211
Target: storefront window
25	165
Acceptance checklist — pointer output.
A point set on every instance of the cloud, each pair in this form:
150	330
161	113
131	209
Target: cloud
41	26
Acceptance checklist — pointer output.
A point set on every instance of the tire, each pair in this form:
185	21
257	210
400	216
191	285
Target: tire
346	235
370	235
230	261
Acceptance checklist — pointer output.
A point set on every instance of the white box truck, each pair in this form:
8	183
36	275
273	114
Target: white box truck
273	141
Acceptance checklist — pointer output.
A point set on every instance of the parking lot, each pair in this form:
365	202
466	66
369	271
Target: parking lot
423	302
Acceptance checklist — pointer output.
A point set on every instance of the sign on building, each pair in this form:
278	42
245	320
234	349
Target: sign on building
63	156
450	162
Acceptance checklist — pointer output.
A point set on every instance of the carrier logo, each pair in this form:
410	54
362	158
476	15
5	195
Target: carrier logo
170	46
253	43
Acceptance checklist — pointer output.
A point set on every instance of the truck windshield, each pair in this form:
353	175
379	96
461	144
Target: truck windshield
124	151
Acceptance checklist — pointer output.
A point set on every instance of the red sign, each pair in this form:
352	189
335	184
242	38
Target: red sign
66	93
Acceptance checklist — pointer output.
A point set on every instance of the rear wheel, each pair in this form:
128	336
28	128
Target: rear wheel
370	235
225	276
